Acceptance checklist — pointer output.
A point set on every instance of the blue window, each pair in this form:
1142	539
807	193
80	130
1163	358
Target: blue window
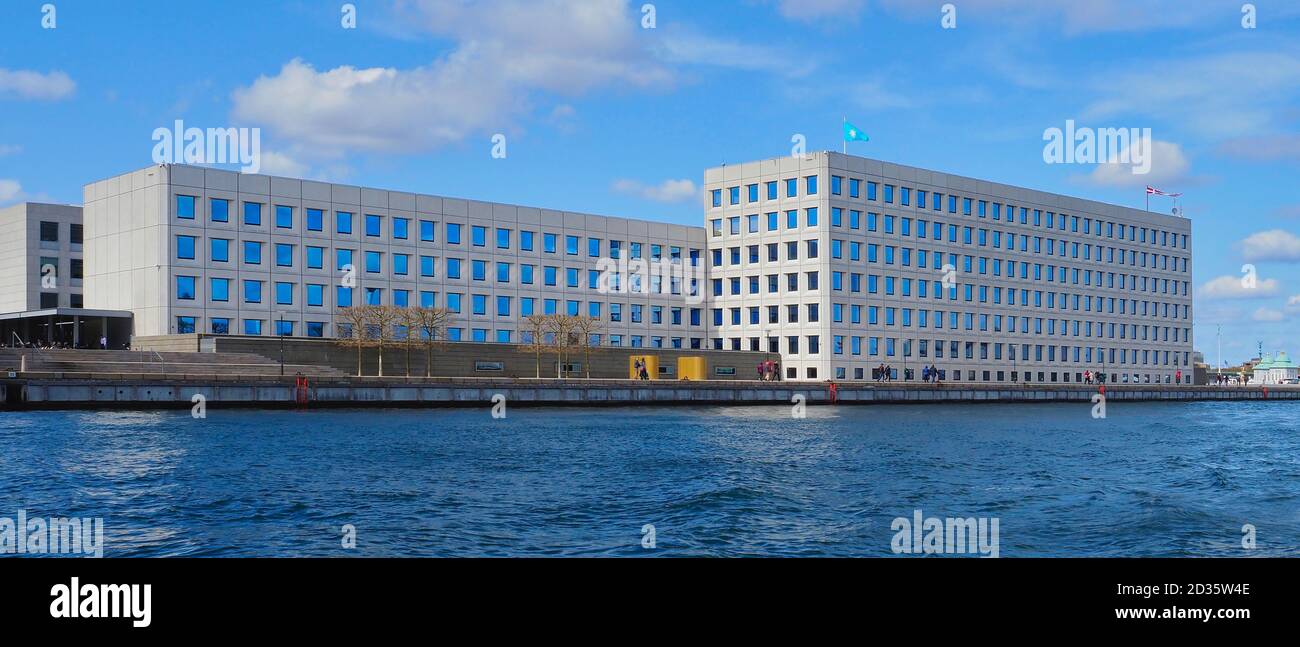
283	255
426	230
185	207
284	293
503	239
479	304
283	217
478	270
792	188
453	302
252	326
185	288
453	268
284	328
252	252
401	298
220	326
401	228
571	245
453	233
315	329
548	243
373	225
426	266
343	222
478	236
185	325
810	185
374	296
593	247
252	213
526	240
220	250
220	210
252	291
717	197
374	262
343	297
220	290
315	257
185	247
315	220
503	272
344	257
400	262
503	306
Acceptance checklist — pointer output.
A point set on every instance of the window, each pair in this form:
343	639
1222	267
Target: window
49	232
252	213
374	262
315	295
478	236
252	326
283	217
283	255
374	224
427	228
343	222
185	247
252	292
220	250
219	290
185	288
185	325
284	294
185	207
315	220
220	210
453	233
252	252
401	228
315	258
220	326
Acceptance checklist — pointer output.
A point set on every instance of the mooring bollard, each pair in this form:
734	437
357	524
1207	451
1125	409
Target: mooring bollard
22	364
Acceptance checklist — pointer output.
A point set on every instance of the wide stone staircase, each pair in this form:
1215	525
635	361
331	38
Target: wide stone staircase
130	363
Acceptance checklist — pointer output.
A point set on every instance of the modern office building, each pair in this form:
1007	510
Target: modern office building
842	264
41	279
839	264
192	249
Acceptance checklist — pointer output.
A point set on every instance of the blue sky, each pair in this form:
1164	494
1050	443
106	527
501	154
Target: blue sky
602	115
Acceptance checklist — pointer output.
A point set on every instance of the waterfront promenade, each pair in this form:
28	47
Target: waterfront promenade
174	391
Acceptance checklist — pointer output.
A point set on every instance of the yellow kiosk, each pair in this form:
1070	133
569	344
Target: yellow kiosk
651	363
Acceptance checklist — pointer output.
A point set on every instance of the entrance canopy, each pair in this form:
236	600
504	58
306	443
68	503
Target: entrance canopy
71	327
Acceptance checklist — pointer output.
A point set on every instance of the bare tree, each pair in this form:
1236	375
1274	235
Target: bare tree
563	338
430	325
537	327
585	328
409	322
355	318
381	321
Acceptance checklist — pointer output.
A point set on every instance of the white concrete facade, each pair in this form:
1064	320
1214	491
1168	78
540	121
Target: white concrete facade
1044	286
40	257
139	228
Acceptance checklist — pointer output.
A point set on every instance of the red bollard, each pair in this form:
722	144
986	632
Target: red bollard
835	392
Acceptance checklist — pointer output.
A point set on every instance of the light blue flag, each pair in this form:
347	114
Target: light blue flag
854	134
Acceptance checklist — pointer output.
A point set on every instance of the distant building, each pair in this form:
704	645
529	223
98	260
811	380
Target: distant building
1274	369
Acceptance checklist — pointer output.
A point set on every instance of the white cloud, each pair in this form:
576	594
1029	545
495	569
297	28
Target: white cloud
1271	245
666	191
7	149
26	84
1168	164
1220	96
278	163
10	190
681	46
506	55
1268	315
1077	17
1231	287
1293	304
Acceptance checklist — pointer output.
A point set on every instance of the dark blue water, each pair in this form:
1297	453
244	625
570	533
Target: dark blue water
1150	479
